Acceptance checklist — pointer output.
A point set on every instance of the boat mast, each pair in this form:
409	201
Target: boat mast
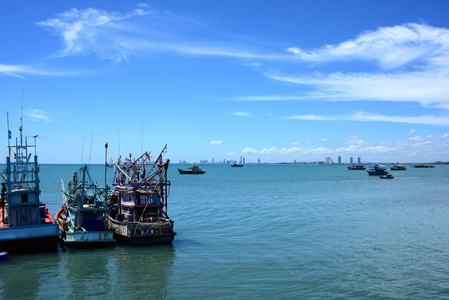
105	167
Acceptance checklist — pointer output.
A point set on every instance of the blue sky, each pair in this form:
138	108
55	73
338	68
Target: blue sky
271	80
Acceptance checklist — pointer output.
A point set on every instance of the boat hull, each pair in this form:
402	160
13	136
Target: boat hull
91	239
145	239
147	233
29	238
84	239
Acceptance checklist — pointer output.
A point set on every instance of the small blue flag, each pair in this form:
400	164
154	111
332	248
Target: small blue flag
9	134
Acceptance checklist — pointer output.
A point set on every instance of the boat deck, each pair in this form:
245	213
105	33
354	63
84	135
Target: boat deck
48	219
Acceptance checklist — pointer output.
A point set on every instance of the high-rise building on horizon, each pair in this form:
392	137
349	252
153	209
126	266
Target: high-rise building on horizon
351	161
359	161
339	160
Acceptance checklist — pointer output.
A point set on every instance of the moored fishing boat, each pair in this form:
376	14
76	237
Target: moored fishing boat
138	207
26	224
83	216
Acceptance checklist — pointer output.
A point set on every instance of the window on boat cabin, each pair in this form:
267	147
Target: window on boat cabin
127	198
24	198
143	199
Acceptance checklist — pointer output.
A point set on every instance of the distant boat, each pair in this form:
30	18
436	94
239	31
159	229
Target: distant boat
424	166
237	165
138	208
388	176
356	167
26	225
398	168
192	170
377	170
83	216
3	255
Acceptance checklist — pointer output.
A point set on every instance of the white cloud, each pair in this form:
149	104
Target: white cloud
231	153
217	142
412	131
416	58
391	47
418	148
37	115
370	117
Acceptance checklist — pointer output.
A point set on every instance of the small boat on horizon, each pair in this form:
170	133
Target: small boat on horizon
3	255
356	167
195	169
237	165
424	166
83	215
377	170
398	168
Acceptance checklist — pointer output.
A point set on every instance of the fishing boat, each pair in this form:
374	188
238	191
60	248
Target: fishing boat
192	170
138	207
237	165
83	215
3	255
398	168
388	176
377	170
26	224
356	167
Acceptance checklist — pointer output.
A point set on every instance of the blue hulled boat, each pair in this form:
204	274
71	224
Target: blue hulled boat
83	216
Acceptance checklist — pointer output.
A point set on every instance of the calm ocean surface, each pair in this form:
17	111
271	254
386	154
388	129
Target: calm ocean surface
262	232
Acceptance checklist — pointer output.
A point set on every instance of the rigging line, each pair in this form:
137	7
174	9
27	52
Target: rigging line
82	153
118	130
90	153
142	138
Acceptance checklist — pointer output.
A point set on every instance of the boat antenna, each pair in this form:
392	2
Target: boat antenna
142	137
82	153
90	152
105	165
21	121
9	134
118	131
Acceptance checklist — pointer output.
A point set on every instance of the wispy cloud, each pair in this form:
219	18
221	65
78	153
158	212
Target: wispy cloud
241	114
21	71
37	115
371	117
216	142
117	36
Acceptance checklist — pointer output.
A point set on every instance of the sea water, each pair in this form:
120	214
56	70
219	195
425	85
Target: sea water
262	231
